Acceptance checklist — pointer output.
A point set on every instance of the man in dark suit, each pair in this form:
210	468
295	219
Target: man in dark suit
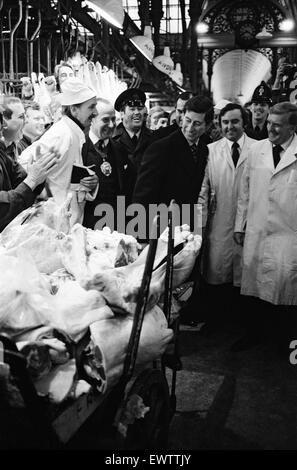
112	165
173	167
261	102
132	134
179	110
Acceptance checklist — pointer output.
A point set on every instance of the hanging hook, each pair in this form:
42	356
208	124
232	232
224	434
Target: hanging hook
12	33
32	39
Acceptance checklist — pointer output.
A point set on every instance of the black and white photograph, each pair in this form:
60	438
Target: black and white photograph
148	228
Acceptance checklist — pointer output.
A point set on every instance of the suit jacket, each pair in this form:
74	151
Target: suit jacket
125	174
164	132
168	171
134	154
15	196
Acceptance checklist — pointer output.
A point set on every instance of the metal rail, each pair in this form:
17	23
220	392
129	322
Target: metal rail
12	33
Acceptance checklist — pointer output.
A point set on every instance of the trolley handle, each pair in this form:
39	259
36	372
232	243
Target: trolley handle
169	265
141	304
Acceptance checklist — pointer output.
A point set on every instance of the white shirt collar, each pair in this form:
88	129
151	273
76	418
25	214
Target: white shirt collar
94	139
131	134
240	143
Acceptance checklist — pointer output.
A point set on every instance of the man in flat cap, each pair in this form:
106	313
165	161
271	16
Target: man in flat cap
67	135
131	133
261	102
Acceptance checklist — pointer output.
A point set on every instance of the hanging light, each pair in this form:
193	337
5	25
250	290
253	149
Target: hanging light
263	34
111	10
145	43
287	25
202	28
164	63
176	75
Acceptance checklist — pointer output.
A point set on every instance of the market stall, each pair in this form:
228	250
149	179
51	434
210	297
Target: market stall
71	297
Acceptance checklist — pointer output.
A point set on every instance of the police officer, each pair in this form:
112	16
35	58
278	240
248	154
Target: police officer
261	102
132	134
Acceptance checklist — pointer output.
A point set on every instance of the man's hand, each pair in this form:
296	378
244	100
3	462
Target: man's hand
90	182
238	237
38	171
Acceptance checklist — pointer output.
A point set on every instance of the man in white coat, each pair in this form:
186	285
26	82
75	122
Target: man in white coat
266	222
67	135
221	267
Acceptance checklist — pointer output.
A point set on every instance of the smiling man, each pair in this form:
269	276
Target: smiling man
266	225
14	120
68	136
112	165
34	126
132	133
222	260
261	102
173	167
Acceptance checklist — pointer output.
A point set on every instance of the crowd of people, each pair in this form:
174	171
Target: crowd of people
238	163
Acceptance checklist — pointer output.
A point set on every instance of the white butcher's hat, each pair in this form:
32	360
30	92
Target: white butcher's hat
74	91
221	104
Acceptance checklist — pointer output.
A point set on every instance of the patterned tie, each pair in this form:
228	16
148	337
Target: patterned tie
100	146
277	149
194	152
235	153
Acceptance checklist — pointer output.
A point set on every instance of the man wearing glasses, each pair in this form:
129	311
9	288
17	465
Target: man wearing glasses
131	133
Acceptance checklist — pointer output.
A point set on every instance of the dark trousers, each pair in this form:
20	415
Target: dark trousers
214	304
277	323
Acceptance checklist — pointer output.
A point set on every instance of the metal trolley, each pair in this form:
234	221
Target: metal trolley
37	425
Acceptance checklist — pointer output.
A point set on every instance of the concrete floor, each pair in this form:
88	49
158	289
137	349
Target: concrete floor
226	400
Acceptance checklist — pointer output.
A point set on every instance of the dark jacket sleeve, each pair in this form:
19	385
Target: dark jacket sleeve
150	176
14	200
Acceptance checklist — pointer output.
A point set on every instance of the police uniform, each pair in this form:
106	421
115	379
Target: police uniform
134	146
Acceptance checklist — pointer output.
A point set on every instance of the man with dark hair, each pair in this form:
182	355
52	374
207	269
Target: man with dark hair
222	257
132	134
266	226
261	102
179	110
34	126
18	189
173	167
14	120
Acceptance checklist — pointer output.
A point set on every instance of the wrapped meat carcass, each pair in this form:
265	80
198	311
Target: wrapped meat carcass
40	242
49	213
111	338
76	309
85	252
74	255
120	286
116	249
25	296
